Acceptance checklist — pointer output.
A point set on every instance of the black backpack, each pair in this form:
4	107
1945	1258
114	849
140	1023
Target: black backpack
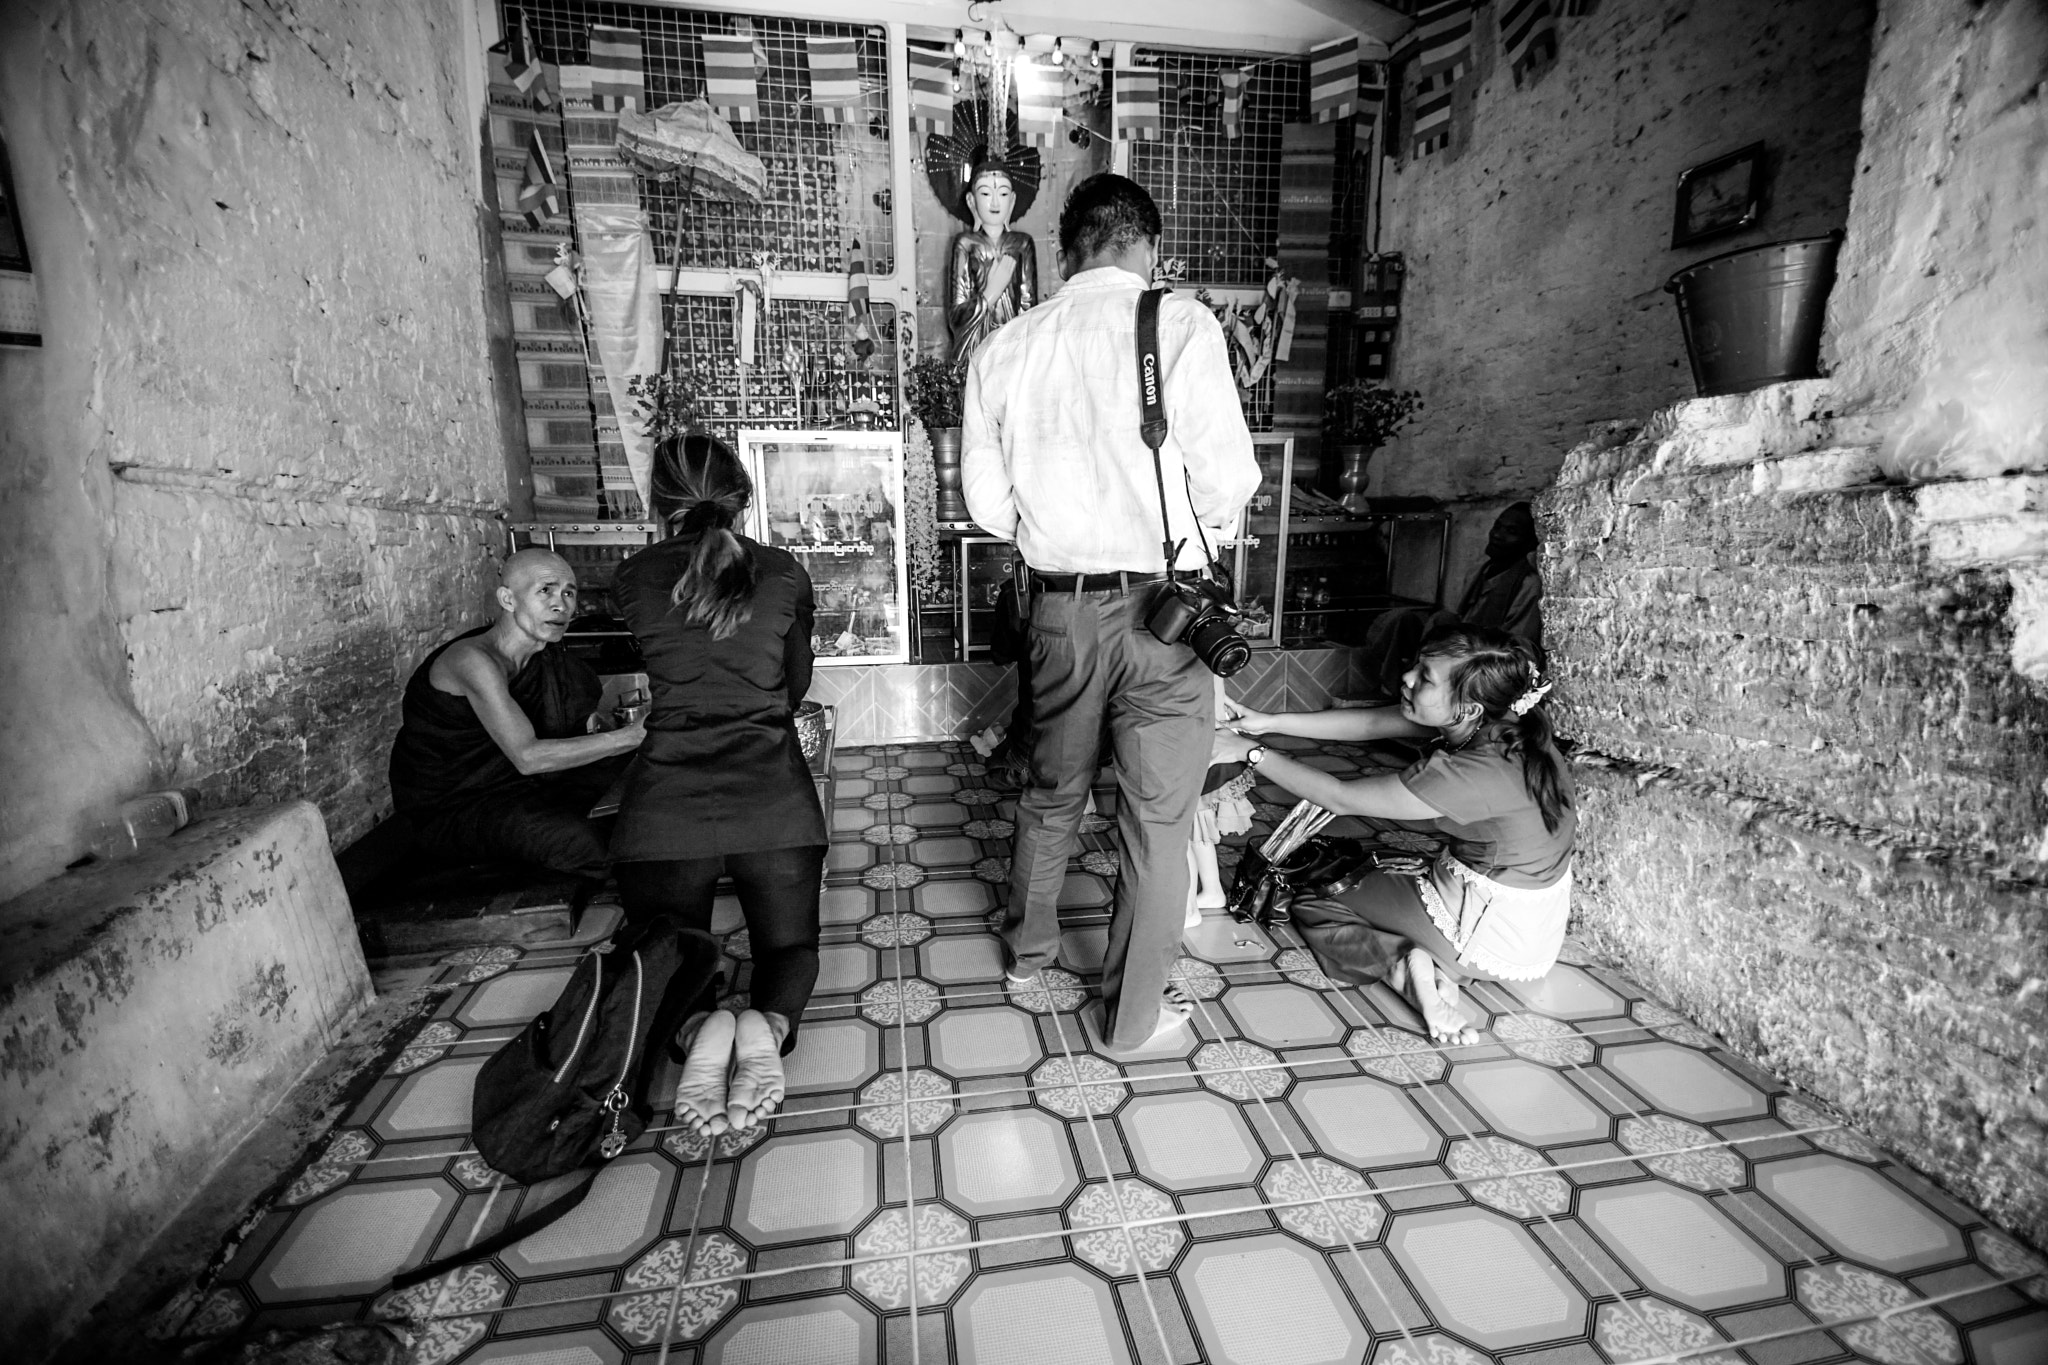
565	1092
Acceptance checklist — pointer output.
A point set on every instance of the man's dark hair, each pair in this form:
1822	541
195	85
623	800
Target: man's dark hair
1106	212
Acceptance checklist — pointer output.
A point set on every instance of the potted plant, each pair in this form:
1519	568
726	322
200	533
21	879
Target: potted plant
1359	418
932	393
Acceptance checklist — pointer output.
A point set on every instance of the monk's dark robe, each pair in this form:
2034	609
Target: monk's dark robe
463	796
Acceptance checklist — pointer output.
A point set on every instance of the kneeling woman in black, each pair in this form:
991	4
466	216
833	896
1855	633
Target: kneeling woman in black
1494	904
720	784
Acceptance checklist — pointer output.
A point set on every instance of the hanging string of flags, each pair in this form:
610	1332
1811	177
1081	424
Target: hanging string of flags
1150	102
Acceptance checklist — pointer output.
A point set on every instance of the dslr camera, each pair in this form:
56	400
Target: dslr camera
1200	615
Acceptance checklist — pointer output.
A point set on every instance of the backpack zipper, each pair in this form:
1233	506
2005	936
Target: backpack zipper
589	1013
614	1142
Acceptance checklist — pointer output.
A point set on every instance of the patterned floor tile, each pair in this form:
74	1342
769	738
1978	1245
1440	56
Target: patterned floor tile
1038	1315
1377	1198
792	1189
1191	1141
1681	1245
837	1328
1006	1162
1240	1289
1486	1278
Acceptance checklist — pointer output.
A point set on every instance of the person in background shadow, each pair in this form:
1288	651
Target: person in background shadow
495	758
721	786
1505	594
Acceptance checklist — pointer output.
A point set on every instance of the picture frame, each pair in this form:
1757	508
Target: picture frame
1720	196
834	499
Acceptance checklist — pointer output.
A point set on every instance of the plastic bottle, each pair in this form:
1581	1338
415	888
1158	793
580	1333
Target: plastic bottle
140	820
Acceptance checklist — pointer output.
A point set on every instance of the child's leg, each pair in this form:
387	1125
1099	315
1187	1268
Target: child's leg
1209	878
1193	919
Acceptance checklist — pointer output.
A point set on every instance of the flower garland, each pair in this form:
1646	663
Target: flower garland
920	511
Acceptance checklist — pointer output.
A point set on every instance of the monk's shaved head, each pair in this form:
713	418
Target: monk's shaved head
524	566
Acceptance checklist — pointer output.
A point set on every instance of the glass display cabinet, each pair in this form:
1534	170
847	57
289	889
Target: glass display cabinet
1308	576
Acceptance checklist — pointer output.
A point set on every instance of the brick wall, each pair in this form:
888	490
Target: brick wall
1814	796
260	471
1537	243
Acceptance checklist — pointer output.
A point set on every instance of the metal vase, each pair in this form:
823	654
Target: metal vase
952	505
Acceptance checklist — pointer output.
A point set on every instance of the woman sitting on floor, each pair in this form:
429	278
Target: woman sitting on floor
720	784
1494	904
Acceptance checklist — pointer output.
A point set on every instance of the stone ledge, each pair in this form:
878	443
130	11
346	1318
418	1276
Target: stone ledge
1904	988
152	1012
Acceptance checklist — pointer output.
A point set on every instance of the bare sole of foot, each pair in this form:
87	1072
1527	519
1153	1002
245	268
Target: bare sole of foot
756	1087
700	1091
1436	999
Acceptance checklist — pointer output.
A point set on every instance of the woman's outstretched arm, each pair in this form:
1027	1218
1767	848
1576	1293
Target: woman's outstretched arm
1355	724
1384	795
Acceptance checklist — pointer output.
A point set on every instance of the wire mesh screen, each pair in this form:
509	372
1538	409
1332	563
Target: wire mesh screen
828	183
1219	197
806	376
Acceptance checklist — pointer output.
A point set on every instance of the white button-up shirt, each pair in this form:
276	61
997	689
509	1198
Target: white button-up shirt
1050	452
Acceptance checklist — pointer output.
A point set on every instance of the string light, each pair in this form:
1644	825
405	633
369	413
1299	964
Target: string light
1095	54
959	45
1059	53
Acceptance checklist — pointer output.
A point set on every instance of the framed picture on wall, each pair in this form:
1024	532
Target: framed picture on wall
1719	196
834	499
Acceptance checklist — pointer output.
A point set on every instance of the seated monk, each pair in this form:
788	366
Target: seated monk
498	758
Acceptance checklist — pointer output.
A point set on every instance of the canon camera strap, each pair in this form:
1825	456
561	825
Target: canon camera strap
1152	409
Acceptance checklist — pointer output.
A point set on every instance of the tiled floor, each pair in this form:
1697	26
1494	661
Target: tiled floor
960	1176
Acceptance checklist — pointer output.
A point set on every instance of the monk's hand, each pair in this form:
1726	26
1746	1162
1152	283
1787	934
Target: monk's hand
1229	746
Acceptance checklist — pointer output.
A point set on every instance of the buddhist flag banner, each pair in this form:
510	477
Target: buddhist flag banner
1040	103
931	90
835	78
1333	80
1529	35
729	76
524	66
1442	51
617	79
1372	96
540	190
575	86
1444	43
1233	101
1137	104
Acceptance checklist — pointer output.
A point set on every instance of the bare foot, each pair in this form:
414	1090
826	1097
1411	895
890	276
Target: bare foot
756	1073
700	1091
1436	999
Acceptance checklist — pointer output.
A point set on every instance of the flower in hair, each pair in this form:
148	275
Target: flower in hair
1537	692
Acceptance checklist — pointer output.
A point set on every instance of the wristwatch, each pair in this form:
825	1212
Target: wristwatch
1254	755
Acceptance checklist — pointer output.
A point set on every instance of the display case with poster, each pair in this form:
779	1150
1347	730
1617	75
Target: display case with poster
834	499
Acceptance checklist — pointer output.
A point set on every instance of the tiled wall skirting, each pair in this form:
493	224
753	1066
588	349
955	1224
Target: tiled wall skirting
879	703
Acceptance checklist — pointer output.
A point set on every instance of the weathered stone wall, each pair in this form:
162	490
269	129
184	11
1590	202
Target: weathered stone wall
1820	820
254	470
152	1012
1940	314
1537	243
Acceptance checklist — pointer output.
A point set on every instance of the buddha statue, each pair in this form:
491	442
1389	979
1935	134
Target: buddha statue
992	272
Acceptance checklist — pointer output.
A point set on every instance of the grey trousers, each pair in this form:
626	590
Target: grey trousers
1091	660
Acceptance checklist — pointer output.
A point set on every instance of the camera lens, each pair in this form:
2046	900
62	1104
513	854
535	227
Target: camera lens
1216	643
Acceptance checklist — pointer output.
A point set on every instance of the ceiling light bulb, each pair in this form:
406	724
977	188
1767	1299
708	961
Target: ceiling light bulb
1095	54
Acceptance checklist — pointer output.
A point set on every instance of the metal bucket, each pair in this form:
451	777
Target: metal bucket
1753	317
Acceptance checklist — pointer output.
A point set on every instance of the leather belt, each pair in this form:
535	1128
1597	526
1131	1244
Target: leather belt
1092	582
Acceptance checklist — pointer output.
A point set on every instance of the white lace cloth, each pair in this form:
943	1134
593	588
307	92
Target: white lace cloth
1513	932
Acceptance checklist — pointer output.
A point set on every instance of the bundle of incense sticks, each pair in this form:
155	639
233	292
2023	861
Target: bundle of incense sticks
1303	823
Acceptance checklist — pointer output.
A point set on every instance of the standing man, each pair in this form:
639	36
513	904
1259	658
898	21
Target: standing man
1052	458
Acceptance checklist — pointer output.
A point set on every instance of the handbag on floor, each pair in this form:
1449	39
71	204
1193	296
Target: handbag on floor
559	1095
1264	894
